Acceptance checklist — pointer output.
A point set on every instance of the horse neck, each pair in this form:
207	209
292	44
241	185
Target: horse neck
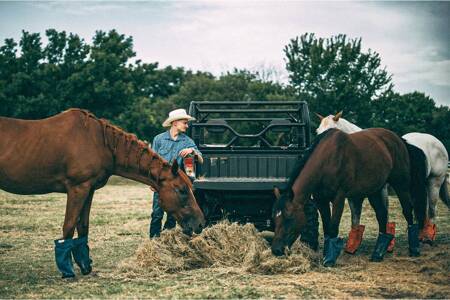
132	158
141	168
347	126
303	186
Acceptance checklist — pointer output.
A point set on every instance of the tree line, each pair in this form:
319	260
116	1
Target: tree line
331	74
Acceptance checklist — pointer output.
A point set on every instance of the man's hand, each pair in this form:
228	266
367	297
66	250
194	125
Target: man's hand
185	152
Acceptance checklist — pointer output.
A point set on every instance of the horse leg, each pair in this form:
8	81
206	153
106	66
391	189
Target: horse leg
356	233
83	222
413	229
390	226
378	203
334	244
428	233
76	197
80	251
325	215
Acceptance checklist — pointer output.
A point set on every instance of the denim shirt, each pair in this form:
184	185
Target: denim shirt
167	148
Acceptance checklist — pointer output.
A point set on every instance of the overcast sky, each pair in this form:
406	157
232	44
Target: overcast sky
412	38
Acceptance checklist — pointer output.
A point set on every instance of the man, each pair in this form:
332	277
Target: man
172	144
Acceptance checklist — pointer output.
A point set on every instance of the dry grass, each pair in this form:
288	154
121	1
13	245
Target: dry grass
223	245
227	261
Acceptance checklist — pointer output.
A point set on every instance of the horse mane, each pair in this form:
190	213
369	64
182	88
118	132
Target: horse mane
300	164
117	133
129	139
349	126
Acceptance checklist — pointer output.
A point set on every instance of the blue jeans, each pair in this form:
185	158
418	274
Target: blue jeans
156	218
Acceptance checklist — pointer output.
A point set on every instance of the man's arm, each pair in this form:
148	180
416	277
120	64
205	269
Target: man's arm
191	148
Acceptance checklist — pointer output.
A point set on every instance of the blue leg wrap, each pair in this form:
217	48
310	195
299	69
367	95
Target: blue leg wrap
381	246
63	257
80	253
332	250
413	240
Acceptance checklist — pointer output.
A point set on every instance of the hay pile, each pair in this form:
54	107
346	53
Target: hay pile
222	245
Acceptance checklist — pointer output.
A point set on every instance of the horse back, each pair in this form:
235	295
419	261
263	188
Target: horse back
41	156
362	162
434	150
391	148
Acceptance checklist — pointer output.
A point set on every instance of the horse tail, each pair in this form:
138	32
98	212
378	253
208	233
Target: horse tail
443	192
418	188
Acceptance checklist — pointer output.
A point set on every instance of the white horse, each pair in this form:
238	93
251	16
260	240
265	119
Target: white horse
437	163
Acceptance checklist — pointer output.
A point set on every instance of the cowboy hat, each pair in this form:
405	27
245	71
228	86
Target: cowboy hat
177	114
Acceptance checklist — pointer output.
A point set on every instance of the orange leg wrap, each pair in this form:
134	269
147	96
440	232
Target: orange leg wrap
354	239
428	233
390	228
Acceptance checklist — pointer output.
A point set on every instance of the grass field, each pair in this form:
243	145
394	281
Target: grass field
119	224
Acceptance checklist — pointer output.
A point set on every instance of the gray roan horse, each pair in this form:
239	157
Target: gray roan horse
340	165
75	153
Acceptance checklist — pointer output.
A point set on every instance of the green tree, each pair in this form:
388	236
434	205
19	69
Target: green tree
335	74
152	85
404	113
412	112
8	67
440	125
106	86
25	91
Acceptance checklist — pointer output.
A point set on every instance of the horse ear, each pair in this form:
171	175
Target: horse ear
175	168
337	116
320	117
277	193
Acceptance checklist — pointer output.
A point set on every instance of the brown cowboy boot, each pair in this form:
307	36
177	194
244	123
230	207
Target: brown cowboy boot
354	239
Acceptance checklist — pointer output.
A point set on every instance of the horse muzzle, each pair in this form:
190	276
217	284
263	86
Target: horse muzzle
278	248
278	251
193	226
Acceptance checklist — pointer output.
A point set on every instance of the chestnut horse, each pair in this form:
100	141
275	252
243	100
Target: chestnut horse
437	161
75	153
340	165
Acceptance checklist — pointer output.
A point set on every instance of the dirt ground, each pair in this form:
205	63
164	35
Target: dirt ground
119	227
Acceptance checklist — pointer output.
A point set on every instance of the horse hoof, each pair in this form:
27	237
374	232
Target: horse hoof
376	259
69	278
94	274
414	253
428	242
329	264
86	271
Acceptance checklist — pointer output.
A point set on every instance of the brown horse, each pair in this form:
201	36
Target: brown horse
340	165
75	153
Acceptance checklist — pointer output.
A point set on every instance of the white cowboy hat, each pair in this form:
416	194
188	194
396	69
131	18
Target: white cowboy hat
177	114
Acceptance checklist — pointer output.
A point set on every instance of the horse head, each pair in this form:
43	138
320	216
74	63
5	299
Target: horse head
177	198
289	218
329	122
